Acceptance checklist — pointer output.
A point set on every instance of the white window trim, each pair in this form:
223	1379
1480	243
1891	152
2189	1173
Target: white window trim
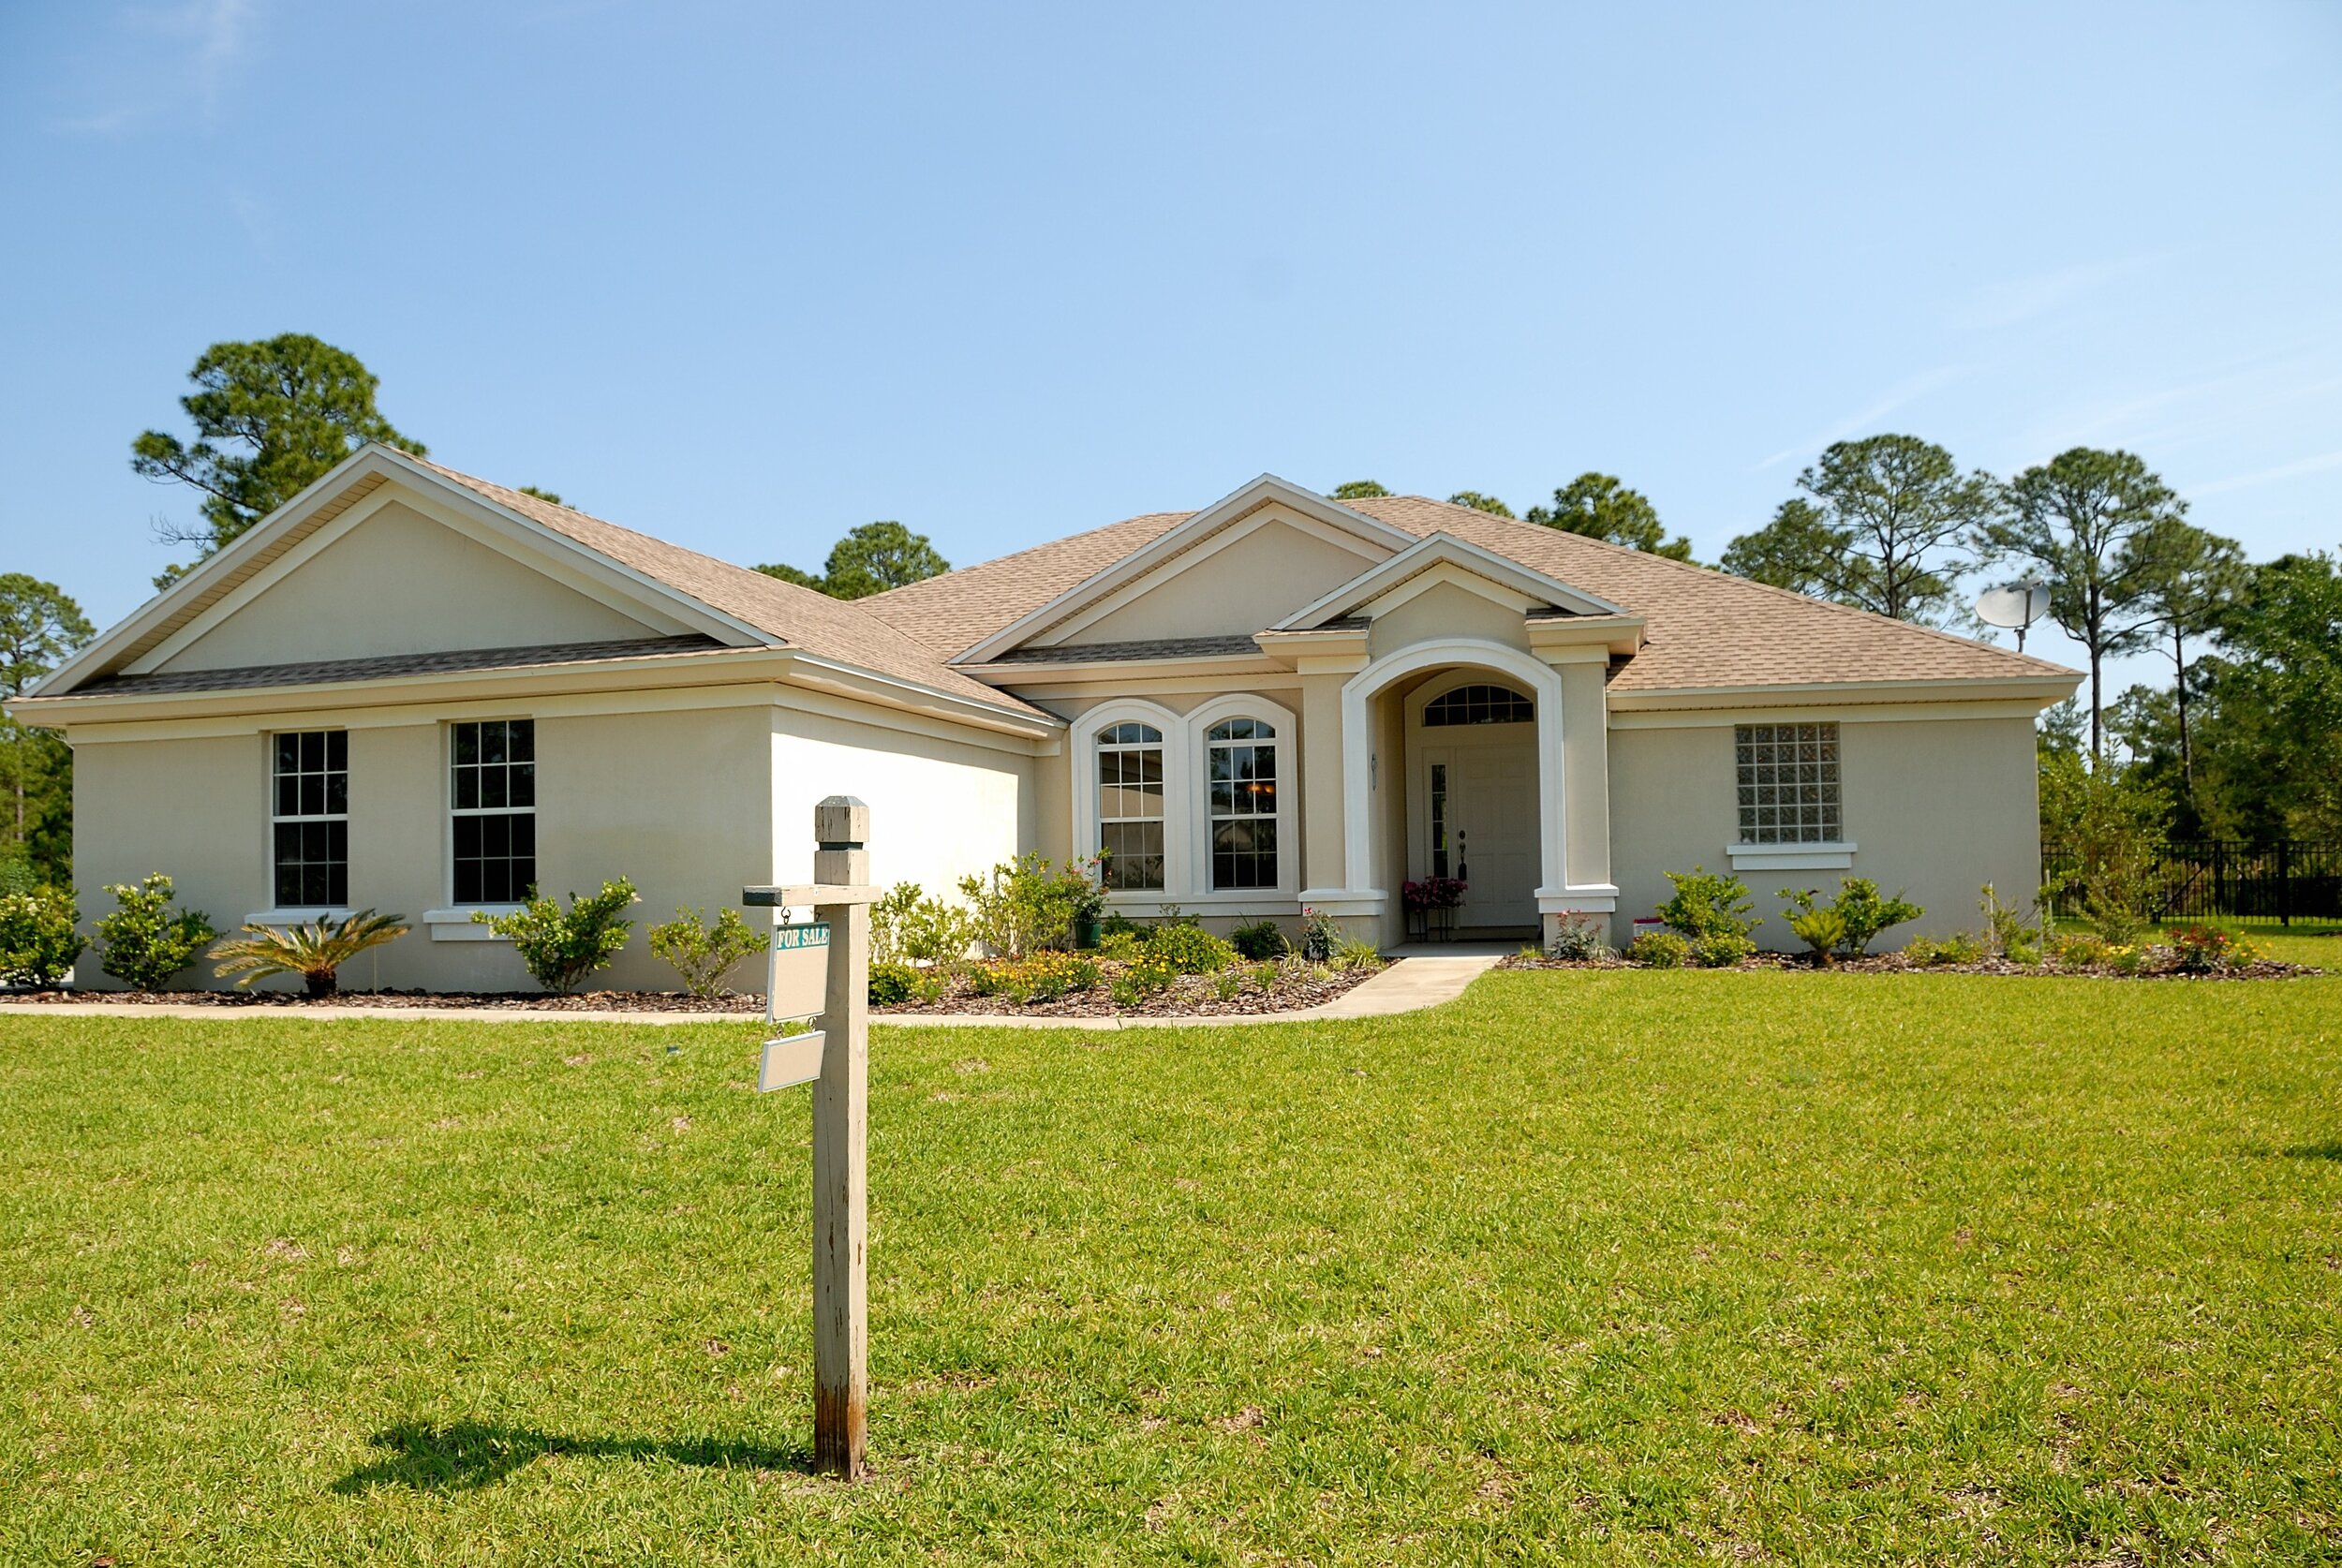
1083	754
1186	801
1834	855
299	914
1288	743
453	923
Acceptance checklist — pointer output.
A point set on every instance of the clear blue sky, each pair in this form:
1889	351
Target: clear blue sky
745	276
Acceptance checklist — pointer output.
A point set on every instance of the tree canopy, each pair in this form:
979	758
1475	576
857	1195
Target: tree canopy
2082	520
1599	506
1358	489
1480	502
270	417
870	559
1881	526
39	627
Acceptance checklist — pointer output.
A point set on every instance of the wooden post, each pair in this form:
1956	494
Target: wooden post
841	1302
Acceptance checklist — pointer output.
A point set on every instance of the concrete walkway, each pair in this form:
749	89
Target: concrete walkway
1424	977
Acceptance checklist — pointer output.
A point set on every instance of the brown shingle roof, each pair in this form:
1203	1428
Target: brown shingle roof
799	618
320	671
1703	627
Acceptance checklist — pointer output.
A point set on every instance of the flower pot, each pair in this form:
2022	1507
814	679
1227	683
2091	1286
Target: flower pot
1085	931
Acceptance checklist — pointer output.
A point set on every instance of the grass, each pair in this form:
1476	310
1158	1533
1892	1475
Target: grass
1608	1266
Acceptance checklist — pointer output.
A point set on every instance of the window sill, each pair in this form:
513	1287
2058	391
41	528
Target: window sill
1790	857
457	925
279	919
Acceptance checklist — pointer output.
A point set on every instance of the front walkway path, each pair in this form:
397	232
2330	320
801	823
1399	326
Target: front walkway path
1426	977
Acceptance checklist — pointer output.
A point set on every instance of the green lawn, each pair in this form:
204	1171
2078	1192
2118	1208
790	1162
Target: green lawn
1610	1266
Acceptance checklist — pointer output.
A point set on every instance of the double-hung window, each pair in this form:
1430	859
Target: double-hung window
309	820
1241	773
1788	783
493	796
1129	806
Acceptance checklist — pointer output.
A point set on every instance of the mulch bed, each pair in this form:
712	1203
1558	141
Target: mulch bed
1193	996
294	1001
1895	963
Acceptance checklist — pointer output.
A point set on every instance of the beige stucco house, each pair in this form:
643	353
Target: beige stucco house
416	691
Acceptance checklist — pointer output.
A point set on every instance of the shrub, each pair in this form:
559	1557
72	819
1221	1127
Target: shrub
16	872
2081	951
2201	949
2121	920
1819	928
891	981
1580	939
1226	984
1263	977
1866	914
1721	950
1148	977
1319	933
1024	904
886	923
1263	939
1708	905
1351	954
1660	949
1188	950
39	940
1124	945
315	951
559	949
1961	947
2127	960
701	954
2006	933
1042	978
144	943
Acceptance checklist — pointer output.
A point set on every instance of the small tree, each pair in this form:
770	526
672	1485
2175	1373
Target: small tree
560	949
144	942
39	938
315	951
702	953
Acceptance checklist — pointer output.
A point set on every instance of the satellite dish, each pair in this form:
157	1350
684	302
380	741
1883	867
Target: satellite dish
2014	606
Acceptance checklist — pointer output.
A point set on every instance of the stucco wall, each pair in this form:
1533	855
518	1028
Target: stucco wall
195	810
1255	582
399	582
1938	807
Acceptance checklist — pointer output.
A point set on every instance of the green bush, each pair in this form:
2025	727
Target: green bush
1352	953
1188	950
1025	905
911	925
1148	977
1580	939
1866	914
1961	947
2081	951
1823	929
1721	950
143	944
1320	934
891	981
2201	949
1263	977
1042	978
560	949
1123	945
39	940
315	950
1262	939
1227	986
1708	905
1660	949
703	954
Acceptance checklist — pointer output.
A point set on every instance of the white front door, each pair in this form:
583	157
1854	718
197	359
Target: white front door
1484	796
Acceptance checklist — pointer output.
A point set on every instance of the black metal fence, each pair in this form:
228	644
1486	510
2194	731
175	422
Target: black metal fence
2237	882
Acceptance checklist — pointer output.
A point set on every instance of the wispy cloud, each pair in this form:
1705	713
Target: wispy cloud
2013	302
1908	393
2317	465
204	42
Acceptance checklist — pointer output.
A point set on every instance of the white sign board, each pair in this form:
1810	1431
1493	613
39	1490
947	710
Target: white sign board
790	1060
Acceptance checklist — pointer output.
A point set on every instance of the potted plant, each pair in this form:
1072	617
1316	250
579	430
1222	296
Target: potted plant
1431	906
1089	902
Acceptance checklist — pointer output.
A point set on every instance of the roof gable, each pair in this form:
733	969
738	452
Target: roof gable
1442	557
1177	550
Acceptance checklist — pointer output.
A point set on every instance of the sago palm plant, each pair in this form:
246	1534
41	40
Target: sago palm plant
313	951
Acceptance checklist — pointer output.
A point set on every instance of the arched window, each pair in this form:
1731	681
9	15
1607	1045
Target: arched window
1478	704
1130	805
1241	771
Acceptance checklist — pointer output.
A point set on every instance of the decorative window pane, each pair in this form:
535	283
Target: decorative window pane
1129	806
493	796
1480	705
1439	819
1788	783
1240	792
309	825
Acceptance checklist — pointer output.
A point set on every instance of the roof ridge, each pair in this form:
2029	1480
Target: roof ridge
1715	574
1015	555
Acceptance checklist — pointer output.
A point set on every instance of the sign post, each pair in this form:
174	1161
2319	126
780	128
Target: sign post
841	898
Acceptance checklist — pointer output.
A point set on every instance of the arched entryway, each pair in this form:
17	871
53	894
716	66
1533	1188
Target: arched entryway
1472	798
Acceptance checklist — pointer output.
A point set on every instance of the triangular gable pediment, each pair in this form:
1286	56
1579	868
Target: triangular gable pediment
1443	558
1309	542
382	557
